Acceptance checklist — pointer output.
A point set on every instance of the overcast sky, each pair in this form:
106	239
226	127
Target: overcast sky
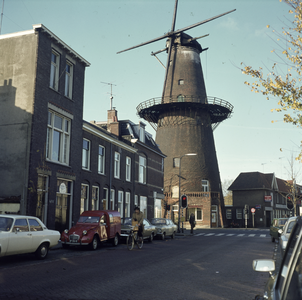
97	29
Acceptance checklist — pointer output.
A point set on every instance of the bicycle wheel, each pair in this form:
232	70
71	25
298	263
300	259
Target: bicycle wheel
139	241
130	241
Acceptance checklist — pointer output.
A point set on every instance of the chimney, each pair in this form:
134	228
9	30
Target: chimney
112	122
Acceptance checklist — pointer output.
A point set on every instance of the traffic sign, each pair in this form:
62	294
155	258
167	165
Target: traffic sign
253	210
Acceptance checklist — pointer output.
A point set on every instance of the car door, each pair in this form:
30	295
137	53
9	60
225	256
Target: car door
37	233
168	226
20	238
289	283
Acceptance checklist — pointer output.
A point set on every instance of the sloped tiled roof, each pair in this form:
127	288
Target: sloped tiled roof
257	180
128	128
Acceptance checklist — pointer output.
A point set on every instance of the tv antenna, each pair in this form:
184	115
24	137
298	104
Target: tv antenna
111	97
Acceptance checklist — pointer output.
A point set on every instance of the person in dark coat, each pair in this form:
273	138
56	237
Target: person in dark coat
192	222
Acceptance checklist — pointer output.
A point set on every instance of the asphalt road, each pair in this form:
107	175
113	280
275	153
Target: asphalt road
210	265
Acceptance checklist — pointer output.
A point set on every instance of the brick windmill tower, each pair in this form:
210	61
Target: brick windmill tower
184	119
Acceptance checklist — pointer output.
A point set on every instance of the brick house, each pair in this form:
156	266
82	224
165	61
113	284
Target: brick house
41	111
141	179
53	164
264	192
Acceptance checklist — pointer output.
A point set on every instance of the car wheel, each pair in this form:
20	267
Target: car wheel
94	244
173	235
42	251
151	237
273	239
163	236
115	240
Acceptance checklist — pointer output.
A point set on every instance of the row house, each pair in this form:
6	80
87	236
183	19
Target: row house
53	164
41	111
136	178
266	193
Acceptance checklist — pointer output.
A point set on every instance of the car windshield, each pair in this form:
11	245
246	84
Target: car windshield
5	223
128	221
89	219
158	221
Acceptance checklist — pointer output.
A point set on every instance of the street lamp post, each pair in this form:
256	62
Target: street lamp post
179	195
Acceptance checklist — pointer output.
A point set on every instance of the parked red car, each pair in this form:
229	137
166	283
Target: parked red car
93	227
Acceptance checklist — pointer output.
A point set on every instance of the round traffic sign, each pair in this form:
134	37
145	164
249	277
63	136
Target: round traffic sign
253	210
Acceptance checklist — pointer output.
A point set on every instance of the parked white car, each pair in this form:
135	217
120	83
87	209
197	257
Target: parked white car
25	234
285	232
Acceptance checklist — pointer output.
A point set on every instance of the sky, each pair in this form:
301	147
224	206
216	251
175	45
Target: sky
98	29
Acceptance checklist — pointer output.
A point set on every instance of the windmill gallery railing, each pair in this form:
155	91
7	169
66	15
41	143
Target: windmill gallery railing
152	109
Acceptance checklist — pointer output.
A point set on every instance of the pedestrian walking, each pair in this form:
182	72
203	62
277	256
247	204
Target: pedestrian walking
192	222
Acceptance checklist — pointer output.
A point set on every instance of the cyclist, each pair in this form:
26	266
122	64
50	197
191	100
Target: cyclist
139	217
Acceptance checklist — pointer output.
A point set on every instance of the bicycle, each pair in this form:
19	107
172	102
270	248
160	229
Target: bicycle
134	239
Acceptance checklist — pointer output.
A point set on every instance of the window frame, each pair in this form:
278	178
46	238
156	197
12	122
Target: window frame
127	204
120	202
68	80
62	141
142	170
117	164
95	199
128	168
86	156
101	160
54	70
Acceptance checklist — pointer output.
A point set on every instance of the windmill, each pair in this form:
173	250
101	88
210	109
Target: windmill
184	118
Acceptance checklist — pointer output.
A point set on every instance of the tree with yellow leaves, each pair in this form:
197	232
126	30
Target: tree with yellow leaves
287	86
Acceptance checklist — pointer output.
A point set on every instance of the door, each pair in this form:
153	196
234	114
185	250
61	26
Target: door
214	215
63	205
20	238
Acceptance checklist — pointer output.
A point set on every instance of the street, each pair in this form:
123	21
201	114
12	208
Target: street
213	264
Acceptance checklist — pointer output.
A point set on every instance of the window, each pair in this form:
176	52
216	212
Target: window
58	138
105	198
176	161
101	160
120	203
95	198
128	168
180	98
68	79
135	200
197	213
143	205
180	82
175	207
54	70
238	213
117	158
142	134
127	205
142	170
112	196
205	185
84	197
21	225
157	208
34	225
229	214
86	154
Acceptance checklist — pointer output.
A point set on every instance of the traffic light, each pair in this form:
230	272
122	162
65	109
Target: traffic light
289	201
184	201
246	209
168	206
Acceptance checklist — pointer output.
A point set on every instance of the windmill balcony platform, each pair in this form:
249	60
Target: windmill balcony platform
152	109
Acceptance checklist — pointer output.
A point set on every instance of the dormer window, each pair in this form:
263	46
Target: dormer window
142	134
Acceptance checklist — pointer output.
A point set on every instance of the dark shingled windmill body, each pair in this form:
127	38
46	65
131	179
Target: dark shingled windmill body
184	119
